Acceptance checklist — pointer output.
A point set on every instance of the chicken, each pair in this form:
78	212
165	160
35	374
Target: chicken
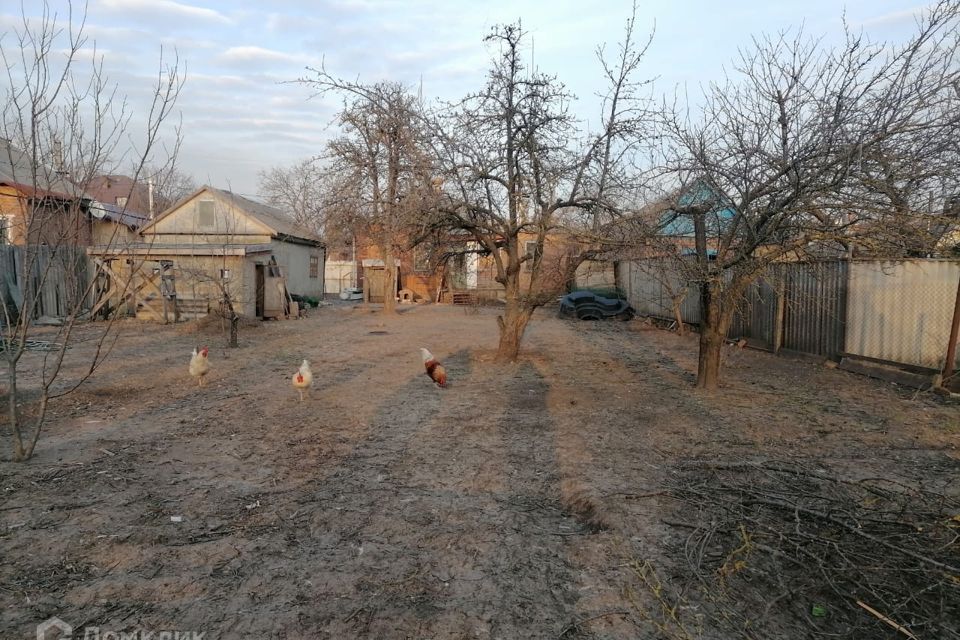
303	378
199	365
434	369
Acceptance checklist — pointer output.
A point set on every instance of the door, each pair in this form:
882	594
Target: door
260	293
374	280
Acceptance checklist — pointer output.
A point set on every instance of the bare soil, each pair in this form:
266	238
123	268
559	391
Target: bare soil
517	503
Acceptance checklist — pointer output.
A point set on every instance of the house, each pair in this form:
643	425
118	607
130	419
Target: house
360	264
675	225
122	192
455	268
462	271
39	205
215	244
114	225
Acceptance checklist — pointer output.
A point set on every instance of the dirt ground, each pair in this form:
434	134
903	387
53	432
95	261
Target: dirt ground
382	506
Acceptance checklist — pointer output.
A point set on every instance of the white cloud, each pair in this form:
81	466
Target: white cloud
895	17
168	8
254	54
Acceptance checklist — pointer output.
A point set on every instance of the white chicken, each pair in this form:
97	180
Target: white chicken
199	364
303	378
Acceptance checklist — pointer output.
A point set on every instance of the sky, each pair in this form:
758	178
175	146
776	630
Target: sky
241	114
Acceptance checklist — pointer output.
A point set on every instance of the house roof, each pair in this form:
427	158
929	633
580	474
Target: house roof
17	169
108	188
279	223
662	214
118	214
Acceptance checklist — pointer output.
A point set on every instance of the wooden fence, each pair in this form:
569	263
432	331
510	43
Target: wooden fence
54	279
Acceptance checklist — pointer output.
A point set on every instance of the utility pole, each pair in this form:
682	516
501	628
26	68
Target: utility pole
150	195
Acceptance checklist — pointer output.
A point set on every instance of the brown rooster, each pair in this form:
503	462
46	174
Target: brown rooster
434	369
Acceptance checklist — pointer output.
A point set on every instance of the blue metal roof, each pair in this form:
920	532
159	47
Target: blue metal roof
676	224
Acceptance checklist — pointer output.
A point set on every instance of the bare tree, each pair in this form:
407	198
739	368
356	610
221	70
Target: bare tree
63	124
806	148
170	185
221	276
515	173
378	171
299	190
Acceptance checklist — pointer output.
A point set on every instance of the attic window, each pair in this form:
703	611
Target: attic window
205	213
121	201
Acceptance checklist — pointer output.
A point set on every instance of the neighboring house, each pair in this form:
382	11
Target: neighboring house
39	205
362	266
122	192
214	241
459	269
115	226
677	226
468	272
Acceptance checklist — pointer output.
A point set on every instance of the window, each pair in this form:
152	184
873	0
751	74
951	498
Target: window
314	266
5	233
224	274
121	201
530	247
205	213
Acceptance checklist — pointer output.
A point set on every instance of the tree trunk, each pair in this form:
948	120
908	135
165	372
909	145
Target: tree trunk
678	315
708	365
41	415
513	322
389	281
13	412
713	329
234	330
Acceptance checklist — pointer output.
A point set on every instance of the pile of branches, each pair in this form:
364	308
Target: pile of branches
789	550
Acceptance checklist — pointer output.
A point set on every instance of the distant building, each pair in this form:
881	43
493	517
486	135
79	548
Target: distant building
122	192
38	204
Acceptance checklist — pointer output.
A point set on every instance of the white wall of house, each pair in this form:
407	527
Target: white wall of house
295	260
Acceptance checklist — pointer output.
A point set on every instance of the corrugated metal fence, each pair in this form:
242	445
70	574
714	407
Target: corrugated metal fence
56	278
897	311
901	311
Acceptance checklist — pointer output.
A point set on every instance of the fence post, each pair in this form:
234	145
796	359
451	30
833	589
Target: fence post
781	292
952	345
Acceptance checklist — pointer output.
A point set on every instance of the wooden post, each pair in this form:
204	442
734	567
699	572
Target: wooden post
778	328
952	345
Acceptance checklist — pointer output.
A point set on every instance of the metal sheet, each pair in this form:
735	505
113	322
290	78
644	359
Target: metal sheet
815	307
901	310
898	311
